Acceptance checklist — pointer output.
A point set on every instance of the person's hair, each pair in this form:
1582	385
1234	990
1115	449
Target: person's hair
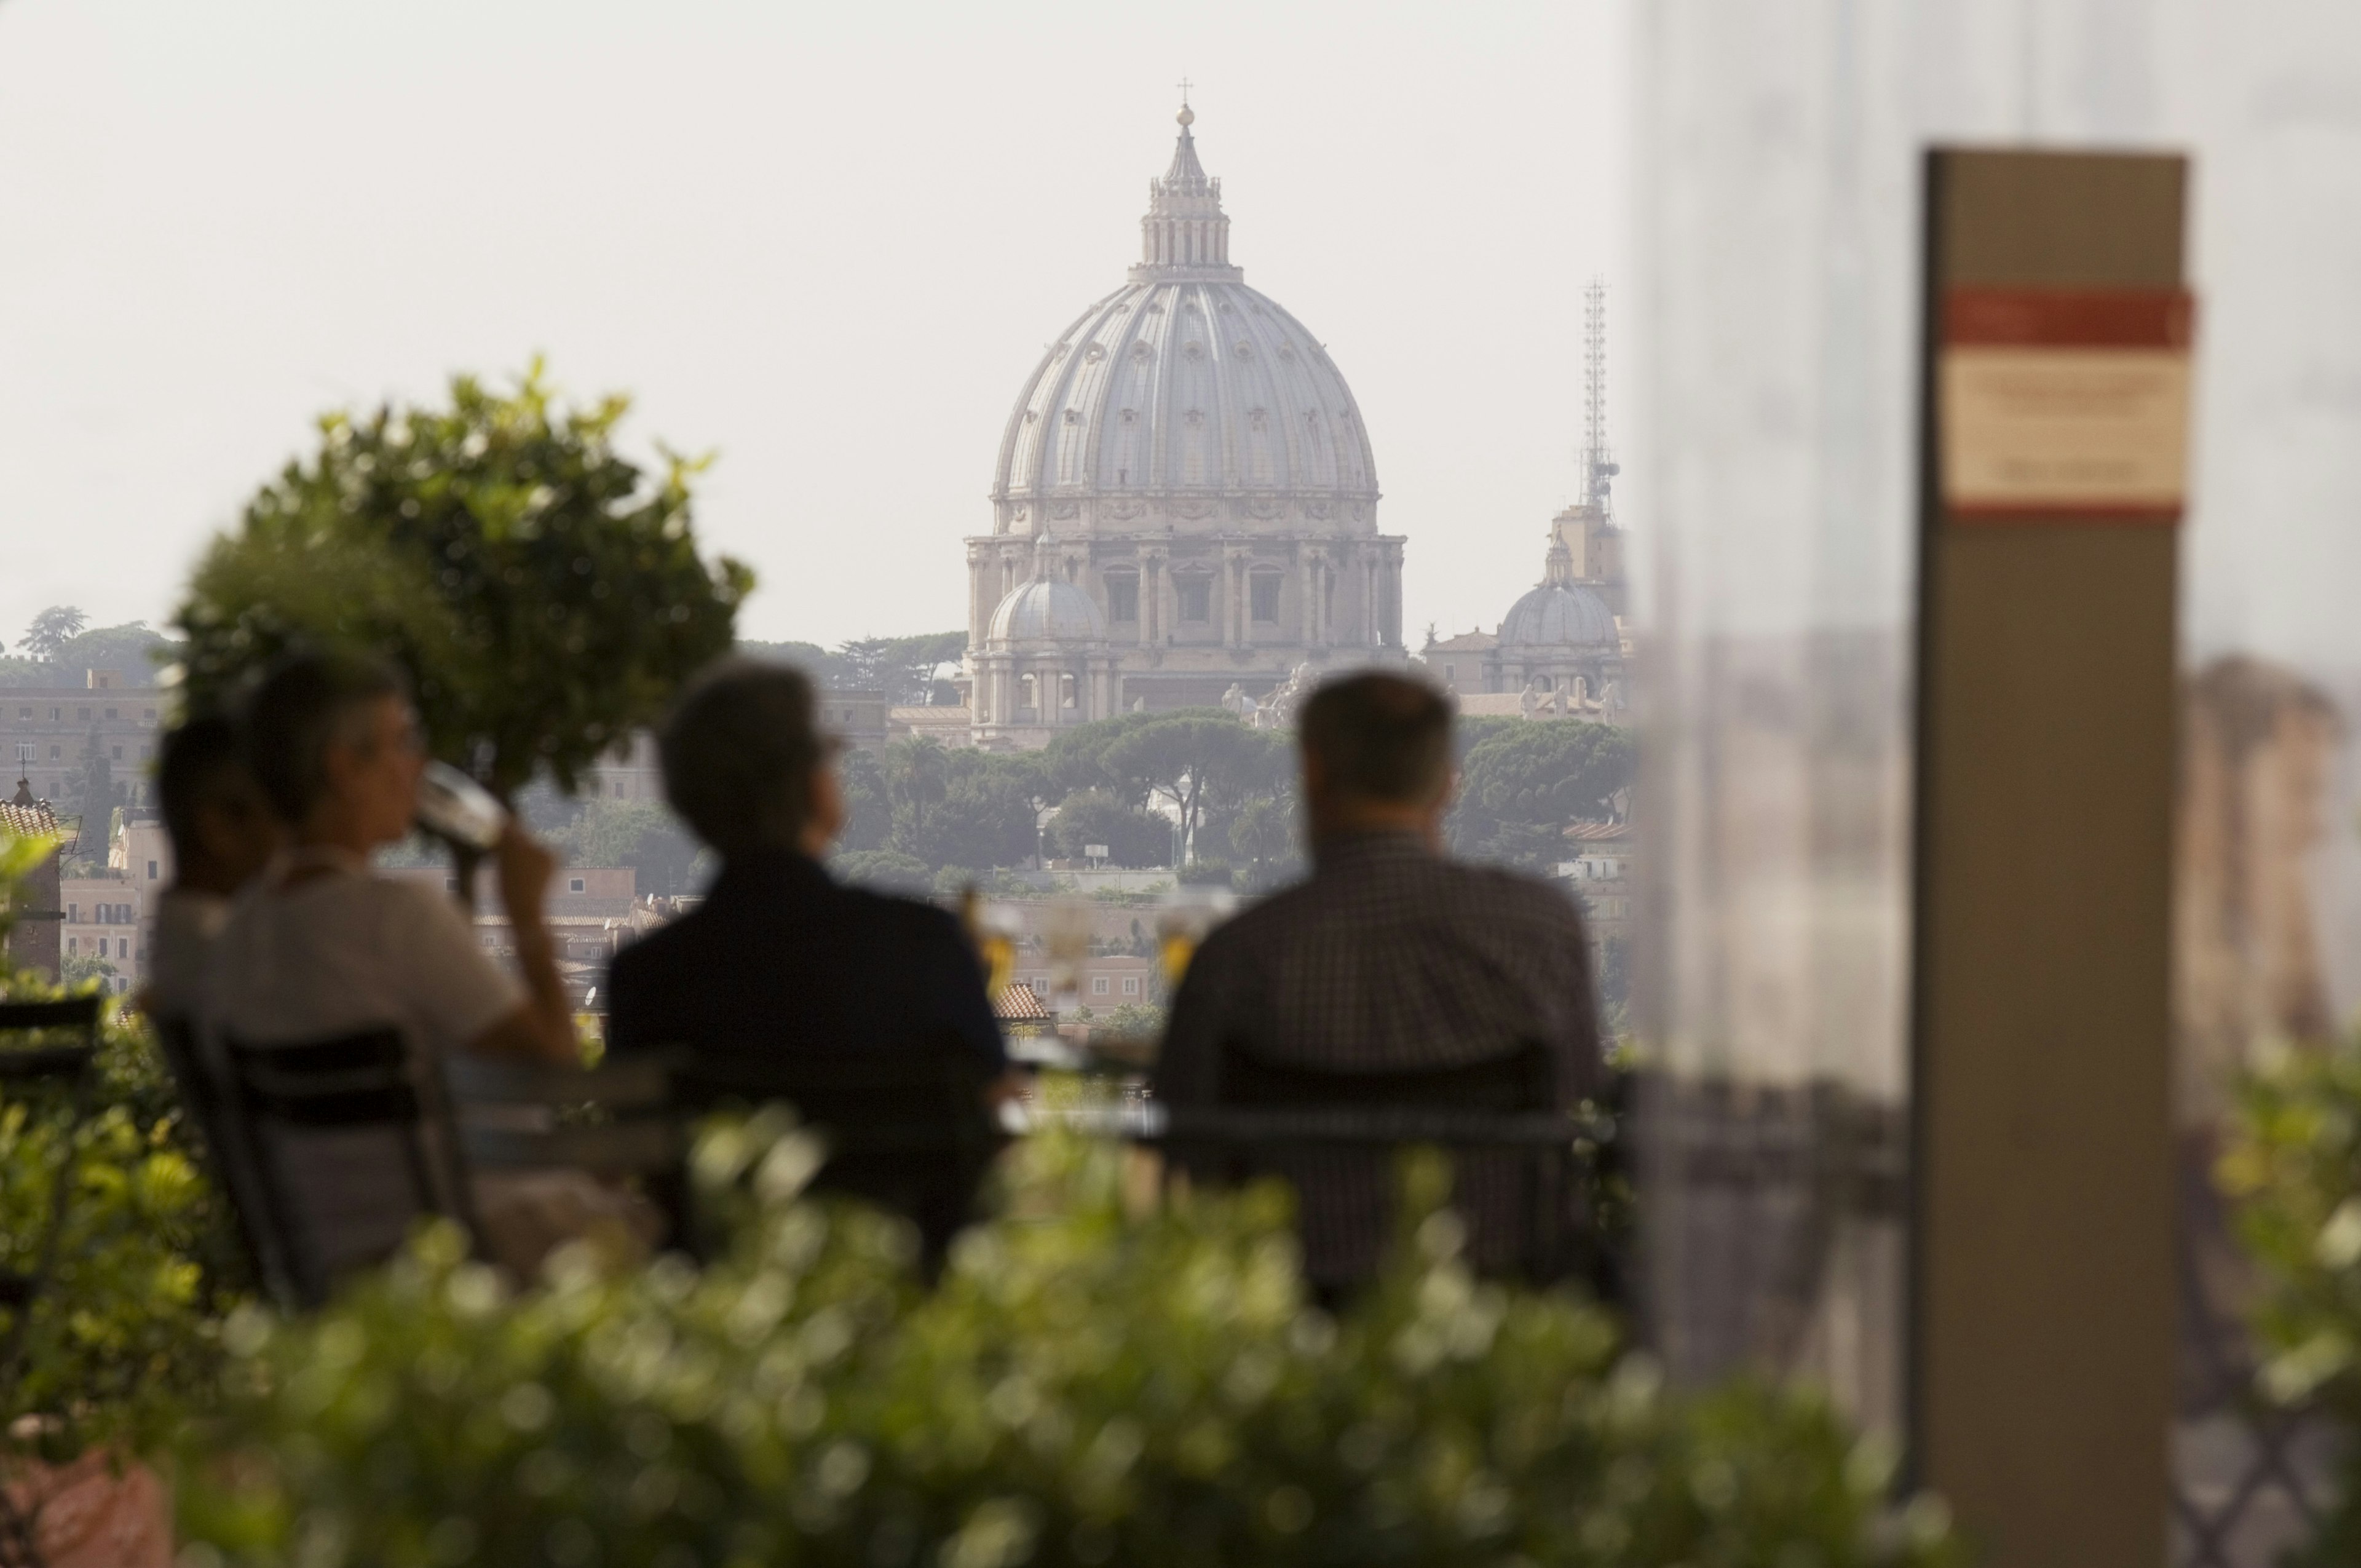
739	751
305	703
1379	737
202	761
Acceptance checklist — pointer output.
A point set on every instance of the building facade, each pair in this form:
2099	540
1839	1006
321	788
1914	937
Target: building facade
1187	459
49	732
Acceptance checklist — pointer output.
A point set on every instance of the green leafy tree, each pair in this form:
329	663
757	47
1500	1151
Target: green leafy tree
1191	755
916	781
902	667
826	669
987	816
50	631
640	834
1075	758
889	870
1132	836
85	972
1520	787
546	593
868	806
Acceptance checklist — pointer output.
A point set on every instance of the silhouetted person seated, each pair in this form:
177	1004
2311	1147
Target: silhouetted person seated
222	835
780	974
319	946
1390	962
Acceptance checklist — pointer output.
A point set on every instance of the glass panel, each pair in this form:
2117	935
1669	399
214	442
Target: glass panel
1777	182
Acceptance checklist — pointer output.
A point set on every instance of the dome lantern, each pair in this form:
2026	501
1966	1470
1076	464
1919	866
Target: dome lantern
1185	236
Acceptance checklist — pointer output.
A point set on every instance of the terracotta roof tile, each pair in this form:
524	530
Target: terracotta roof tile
1016	1004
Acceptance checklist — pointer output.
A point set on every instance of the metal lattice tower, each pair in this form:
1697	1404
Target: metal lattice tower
1599	468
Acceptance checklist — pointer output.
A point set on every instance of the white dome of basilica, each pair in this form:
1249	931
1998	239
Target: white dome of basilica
1047	612
1184	503
1186	379
1559	615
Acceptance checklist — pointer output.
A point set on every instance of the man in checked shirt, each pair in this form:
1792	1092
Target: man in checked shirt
1392	961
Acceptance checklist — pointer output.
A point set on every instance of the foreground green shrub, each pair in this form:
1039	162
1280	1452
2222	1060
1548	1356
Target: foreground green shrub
123	1336
1085	1386
2294	1167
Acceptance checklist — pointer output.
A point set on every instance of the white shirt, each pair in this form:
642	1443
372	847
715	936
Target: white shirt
187	922
336	953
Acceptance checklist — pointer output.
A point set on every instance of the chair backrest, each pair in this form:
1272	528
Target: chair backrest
616	1119
907	1129
1327	1131
349	1151
223	1148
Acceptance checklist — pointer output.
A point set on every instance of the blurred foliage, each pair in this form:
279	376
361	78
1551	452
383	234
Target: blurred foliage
1520	782
1087	1386
1130	835
2293	1168
905	669
546	596
123	1337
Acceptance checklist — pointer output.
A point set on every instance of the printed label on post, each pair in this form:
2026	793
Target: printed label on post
2064	405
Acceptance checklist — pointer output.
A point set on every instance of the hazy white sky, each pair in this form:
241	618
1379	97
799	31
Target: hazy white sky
828	241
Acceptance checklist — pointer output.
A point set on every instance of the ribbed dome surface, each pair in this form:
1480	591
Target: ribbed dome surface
1047	612
1559	615
1185	379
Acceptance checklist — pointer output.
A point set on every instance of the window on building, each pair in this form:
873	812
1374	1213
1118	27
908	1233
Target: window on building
1122	596
57	713
1543	682
146	752
1196	598
148	714
1098	985
74	946
110	713
24	713
121	947
115	754
1028	692
74	913
574	884
1264	591
151	871
55	752
618	789
1067	691
1131	985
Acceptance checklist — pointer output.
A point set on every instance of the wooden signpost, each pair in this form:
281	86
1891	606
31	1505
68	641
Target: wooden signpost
2054	462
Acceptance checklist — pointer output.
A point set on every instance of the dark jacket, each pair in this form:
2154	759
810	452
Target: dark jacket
780	958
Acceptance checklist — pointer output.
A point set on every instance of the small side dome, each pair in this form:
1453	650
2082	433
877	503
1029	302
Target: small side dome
1559	615
1047	612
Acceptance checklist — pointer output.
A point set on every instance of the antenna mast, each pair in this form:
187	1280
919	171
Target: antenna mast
1599	468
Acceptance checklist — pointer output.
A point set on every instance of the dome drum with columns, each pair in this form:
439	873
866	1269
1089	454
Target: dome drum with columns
1206	479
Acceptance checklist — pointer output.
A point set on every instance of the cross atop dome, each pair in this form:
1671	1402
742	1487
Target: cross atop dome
1185	234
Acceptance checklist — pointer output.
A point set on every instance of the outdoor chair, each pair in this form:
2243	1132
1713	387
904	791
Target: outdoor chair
223	1150
1520	1165
908	1131
348	1151
37	1069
